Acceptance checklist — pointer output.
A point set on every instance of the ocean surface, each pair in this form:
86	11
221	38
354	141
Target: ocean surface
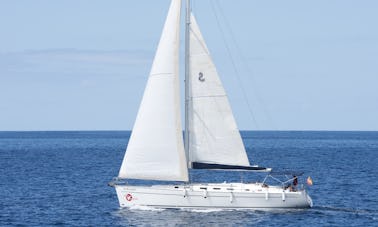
60	178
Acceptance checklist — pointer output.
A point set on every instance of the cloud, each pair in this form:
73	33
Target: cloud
72	61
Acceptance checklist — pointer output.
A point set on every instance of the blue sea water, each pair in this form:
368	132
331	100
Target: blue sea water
60	178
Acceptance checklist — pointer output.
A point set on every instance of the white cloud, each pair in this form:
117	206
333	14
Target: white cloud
73	61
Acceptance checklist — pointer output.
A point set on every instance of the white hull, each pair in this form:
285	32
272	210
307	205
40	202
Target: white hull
203	196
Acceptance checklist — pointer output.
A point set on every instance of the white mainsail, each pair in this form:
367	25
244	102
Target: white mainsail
214	135
155	150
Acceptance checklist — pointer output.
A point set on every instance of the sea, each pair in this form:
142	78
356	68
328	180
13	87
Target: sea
60	178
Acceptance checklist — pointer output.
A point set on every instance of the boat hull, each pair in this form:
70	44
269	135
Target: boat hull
204	196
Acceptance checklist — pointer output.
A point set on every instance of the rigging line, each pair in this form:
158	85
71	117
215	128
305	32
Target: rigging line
247	67
234	66
249	71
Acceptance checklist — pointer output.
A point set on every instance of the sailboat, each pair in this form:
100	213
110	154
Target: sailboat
157	152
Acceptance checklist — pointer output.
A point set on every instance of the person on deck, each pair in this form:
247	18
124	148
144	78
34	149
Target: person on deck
295	183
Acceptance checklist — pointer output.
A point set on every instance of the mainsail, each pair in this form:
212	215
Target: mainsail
155	150
214	135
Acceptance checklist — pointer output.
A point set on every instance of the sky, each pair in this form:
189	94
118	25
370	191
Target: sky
286	65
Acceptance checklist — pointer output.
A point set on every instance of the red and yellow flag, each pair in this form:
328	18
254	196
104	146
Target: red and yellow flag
309	181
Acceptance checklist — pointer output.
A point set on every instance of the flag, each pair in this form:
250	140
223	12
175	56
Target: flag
309	181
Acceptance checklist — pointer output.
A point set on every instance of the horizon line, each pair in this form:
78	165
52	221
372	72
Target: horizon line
242	130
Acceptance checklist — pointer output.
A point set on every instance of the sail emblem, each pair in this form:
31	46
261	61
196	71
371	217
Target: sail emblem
201	77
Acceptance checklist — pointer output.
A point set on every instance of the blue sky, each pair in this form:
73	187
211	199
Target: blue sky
82	65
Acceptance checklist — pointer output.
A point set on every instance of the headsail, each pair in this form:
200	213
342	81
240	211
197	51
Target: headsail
155	150
214	135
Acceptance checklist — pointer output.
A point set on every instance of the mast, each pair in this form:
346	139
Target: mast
187	84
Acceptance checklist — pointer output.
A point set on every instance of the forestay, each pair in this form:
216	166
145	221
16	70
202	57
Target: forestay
214	136
155	150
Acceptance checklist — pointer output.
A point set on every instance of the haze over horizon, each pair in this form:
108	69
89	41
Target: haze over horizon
83	65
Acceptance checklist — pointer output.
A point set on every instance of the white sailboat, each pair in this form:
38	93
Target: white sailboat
212	140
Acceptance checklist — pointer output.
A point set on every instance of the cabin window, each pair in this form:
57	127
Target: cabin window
204	188
216	188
